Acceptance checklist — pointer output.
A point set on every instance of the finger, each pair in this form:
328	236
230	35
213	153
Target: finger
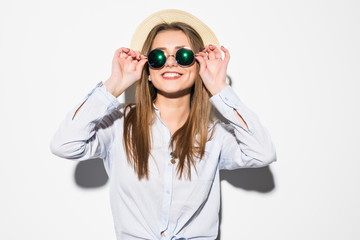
205	49
203	55
141	64
124	55
212	55
216	51
134	55
120	53
227	54
138	55
210	51
121	50
131	53
201	61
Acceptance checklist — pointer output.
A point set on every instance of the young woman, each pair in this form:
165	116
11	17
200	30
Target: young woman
163	153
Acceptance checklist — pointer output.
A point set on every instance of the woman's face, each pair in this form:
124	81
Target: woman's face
172	80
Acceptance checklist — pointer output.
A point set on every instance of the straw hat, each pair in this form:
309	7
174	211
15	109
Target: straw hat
169	16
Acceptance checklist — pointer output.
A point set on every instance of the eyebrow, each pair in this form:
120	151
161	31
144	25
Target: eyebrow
163	48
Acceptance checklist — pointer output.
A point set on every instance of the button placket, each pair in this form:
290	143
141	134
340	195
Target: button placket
168	185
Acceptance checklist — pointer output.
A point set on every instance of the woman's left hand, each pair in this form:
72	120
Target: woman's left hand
213	68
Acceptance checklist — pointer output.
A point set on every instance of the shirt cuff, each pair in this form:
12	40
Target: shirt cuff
101	92
226	101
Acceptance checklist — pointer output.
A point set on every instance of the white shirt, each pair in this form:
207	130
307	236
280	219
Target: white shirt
143	209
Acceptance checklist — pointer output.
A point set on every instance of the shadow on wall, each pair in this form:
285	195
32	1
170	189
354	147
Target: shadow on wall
92	174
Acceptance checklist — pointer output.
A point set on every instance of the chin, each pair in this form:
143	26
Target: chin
174	92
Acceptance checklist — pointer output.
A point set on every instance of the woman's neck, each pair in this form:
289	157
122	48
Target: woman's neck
173	111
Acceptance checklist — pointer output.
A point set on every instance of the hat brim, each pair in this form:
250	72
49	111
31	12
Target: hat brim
169	16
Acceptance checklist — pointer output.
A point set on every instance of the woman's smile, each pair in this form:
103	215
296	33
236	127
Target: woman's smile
171	75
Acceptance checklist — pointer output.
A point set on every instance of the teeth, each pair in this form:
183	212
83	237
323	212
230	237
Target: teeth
171	75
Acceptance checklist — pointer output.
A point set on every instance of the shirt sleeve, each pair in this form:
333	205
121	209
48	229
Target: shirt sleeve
241	148
89	134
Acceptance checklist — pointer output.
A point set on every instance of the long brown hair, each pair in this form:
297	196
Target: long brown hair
188	142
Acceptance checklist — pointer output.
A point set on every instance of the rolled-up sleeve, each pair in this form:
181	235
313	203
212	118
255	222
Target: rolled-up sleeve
241	148
80	137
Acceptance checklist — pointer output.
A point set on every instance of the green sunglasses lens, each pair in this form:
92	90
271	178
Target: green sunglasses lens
156	58
184	57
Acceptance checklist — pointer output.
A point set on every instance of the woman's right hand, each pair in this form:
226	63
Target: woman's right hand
127	67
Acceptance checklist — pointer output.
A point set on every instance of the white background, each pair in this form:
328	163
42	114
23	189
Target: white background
294	63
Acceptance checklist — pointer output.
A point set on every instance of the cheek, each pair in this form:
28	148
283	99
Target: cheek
193	72
152	74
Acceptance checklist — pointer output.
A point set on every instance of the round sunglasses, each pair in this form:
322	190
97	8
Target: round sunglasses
184	57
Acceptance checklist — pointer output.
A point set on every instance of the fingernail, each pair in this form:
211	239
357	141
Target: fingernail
203	49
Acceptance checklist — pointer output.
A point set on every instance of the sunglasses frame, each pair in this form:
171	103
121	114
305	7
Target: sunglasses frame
174	55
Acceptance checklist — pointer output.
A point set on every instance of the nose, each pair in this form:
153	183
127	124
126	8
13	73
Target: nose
171	61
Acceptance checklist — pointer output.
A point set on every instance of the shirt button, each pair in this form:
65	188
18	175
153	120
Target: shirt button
167	191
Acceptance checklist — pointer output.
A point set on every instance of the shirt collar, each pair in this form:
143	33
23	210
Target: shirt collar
156	109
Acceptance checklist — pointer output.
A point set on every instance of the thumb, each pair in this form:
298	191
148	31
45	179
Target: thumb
141	64
202	63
